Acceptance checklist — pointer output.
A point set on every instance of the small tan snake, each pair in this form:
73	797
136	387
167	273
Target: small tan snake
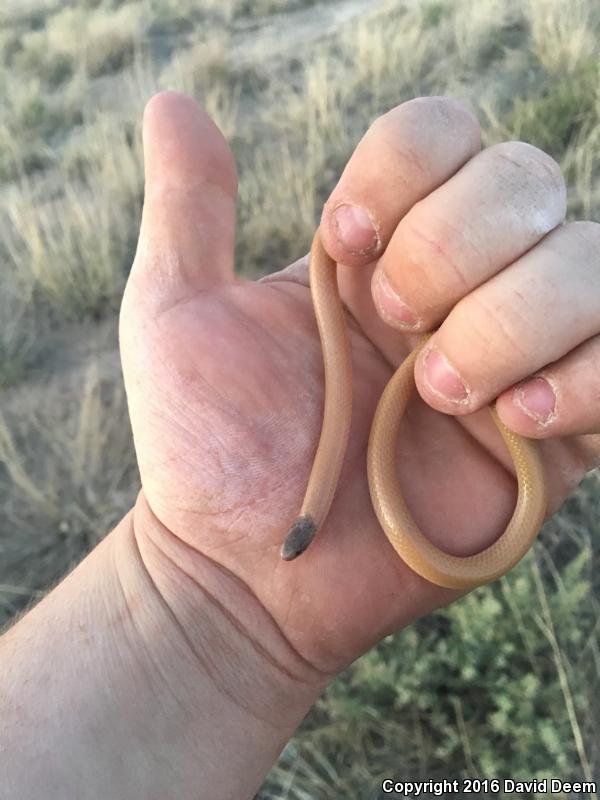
405	537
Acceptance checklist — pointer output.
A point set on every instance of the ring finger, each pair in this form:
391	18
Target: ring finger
537	319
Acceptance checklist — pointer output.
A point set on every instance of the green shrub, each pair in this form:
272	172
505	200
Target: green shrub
552	118
500	684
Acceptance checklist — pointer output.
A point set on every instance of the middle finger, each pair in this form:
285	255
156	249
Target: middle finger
532	314
500	204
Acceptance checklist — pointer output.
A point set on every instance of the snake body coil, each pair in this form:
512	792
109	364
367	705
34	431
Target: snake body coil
398	525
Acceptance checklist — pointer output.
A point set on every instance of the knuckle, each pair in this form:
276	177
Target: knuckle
536	163
589	232
405	149
501	330
452	113
445	110
413	129
438	248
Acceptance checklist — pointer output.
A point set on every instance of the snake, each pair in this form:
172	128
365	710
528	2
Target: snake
418	552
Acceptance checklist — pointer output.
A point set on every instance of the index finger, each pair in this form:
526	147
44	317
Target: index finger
406	154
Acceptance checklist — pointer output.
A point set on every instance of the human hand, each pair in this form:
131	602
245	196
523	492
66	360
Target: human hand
224	376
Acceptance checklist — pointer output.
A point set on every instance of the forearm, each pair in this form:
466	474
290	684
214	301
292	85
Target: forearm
130	679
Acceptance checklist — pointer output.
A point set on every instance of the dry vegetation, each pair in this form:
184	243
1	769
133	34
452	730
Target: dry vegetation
504	683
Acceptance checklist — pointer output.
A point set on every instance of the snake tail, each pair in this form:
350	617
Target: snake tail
299	536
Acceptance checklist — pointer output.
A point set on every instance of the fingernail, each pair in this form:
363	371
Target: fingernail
390	306
442	378
355	228
536	398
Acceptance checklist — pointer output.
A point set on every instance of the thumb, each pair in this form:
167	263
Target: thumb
187	234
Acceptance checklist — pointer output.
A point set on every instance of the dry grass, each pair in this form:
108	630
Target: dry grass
85	437
563	35
78	250
477	29
67	473
19	332
74	39
30	123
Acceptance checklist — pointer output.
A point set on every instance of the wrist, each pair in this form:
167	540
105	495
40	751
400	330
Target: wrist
131	679
218	629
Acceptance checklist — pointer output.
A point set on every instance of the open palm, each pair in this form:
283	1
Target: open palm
224	380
